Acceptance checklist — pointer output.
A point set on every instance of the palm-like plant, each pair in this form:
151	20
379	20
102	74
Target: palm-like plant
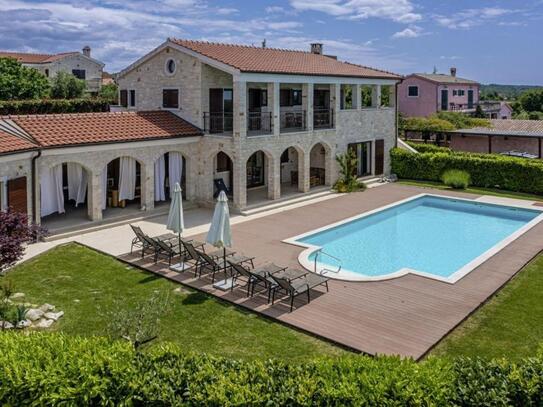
348	181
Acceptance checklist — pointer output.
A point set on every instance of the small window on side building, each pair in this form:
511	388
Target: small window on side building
132	97
413	91
123	97
79	73
170	98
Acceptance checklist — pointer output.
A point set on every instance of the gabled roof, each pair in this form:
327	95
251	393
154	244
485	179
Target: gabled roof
446	79
28	58
280	61
65	130
519	128
10	143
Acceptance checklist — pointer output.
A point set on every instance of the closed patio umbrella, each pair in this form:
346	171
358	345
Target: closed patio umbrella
176	222
220	234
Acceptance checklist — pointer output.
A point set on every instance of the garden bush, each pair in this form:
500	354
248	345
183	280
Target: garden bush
428	148
46	106
486	170
55	369
457	179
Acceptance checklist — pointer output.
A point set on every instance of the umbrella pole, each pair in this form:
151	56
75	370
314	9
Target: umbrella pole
181	256
224	262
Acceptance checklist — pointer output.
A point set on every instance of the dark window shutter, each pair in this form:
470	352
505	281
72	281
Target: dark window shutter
124	97
284	99
379	156
132	97
170	98
17	198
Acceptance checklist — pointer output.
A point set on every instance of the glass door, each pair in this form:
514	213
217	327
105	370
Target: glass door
255	170
363	157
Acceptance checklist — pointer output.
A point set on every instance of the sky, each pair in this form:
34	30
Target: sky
498	41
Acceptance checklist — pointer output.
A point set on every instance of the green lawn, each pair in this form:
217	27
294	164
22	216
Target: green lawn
474	190
510	324
88	286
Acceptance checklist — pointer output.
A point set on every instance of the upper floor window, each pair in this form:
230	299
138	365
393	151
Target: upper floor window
413	91
79	73
123	97
170	98
171	66
290	97
132	97
461	92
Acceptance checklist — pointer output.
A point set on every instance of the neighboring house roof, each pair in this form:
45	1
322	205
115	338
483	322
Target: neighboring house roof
27	58
445	79
519	128
64	130
10	143
281	61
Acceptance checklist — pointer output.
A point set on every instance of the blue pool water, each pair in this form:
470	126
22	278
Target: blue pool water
429	234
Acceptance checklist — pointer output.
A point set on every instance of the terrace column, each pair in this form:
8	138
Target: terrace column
147	183
240	109
304	163
336	102
274	178
357	97
94	196
376	96
308	89
240	183
274	90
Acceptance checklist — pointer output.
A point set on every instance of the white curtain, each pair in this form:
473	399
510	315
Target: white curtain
127	178
77	183
160	175
175	169
52	195
104	188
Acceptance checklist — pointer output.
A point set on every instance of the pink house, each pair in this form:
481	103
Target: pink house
423	94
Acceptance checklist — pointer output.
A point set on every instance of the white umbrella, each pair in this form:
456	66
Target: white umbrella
176	222
220	234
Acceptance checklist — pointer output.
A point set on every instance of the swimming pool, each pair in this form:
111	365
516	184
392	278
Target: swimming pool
434	236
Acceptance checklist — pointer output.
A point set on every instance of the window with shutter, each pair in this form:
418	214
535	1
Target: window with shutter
170	98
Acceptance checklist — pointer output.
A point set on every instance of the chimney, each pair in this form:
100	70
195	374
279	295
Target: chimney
87	51
453	72
316	48
264	43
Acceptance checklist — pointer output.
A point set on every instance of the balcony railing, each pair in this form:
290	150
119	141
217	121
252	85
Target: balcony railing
292	121
485	106
259	123
216	123
323	119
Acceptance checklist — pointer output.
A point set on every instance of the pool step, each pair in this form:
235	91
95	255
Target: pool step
284	202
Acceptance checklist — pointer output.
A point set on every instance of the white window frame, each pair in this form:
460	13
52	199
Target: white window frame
168	73
178	98
413	86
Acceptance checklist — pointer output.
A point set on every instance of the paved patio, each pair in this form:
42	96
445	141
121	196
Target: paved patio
405	316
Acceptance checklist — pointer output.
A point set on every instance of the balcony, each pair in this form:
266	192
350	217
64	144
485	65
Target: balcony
259	123
323	118
292	121
218	123
486	106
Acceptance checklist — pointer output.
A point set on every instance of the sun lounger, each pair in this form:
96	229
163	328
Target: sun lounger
297	286
256	276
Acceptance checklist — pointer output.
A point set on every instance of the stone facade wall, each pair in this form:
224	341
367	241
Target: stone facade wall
14	167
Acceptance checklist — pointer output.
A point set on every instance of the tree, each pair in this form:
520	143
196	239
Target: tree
17	82
479	112
66	86
15	231
348	181
109	92
532	100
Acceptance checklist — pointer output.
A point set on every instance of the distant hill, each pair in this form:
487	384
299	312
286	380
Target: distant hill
508	92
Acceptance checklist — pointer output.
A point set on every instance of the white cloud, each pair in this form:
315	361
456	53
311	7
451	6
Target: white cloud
469	18
412	31
274	9
402	11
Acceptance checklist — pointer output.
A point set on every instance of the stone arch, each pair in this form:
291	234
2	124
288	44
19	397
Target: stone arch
262	170
187	184
320	164
144	185
223	173
291	162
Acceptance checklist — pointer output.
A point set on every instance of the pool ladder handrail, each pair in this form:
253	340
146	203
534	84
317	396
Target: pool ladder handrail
321	252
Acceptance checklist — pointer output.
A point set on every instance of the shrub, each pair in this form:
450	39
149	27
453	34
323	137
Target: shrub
457	179
46	106
428	148
66	86
20	82
486	170
55	369
348	181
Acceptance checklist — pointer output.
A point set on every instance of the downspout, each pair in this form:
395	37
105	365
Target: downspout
396	114
34	172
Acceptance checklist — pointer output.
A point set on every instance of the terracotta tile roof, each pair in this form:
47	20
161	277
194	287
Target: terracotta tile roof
60	130
442	78
530	128
10	143
273	60
28	58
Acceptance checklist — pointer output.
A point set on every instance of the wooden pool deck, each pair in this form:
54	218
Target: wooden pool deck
405	316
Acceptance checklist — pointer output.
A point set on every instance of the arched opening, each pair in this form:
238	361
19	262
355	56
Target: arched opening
121	186
170	168
223	175
63	195
318	161
257	171
291	158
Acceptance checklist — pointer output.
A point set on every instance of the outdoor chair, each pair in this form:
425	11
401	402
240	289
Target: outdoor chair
256	276
298	286
168	250
220	186
138	241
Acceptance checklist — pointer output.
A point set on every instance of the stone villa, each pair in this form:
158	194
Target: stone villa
262	123
80	64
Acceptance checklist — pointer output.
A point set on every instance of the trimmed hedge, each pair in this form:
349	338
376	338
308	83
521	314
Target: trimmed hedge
46	106
486	170
428	148
55	369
